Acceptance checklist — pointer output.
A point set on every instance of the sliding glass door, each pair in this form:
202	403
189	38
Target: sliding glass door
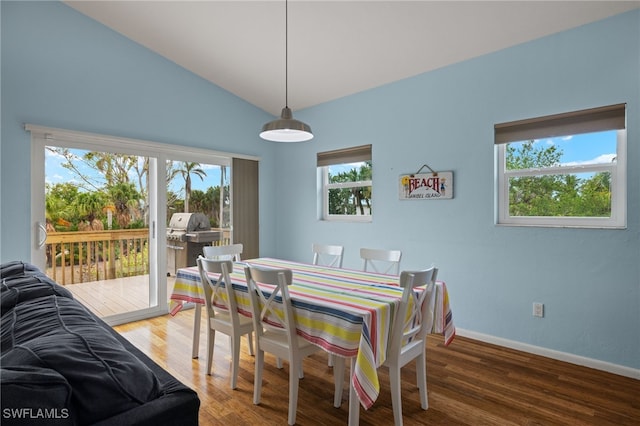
101	207
94	217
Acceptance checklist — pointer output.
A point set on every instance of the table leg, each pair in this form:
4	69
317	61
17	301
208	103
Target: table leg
354	402
196	331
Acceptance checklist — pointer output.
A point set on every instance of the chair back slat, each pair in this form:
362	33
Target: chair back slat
327	255
220	285
381	261
274	312
412	319
226	252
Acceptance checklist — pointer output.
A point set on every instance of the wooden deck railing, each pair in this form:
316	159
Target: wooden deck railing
77	257
84	256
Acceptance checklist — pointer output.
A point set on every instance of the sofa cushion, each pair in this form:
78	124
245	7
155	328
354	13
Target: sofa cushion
34	395
60	334
17	267
21	282
40	316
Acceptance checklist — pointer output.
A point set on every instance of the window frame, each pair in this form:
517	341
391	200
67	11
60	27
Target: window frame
336	157
617	169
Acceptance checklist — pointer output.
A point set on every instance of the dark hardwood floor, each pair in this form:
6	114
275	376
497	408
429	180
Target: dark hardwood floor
469	383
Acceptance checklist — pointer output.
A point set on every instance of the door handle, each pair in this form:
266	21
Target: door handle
43	231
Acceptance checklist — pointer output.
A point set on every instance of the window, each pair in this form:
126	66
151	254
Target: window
565	170
344	178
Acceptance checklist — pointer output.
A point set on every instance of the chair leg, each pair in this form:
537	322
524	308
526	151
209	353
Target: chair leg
235	360
421	376
279	363
294	383
396	400
211	341
354	403
250	337
257	384
338	378
330	361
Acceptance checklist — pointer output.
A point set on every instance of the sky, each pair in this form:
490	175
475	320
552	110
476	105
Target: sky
588	148
55	173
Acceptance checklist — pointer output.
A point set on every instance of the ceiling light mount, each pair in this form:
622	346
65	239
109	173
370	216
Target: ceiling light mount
286	128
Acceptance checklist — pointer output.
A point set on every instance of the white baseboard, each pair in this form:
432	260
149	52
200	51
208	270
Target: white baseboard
553	354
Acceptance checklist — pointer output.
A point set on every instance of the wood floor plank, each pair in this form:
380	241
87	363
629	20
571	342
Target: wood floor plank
469	383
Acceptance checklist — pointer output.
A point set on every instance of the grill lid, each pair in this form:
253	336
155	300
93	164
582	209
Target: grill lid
189	222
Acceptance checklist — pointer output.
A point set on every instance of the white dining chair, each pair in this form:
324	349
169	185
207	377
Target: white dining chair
225	252
381	261
411	324
282	339
222	312
327	255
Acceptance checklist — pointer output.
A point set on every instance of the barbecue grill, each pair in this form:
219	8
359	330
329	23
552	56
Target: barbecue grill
186	235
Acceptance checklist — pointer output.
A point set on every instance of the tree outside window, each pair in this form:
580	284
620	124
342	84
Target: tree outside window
571	194
350	191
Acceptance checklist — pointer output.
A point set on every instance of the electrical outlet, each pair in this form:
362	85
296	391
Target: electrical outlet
538	310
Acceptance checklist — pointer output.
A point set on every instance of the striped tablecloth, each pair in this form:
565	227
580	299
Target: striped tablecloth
346	312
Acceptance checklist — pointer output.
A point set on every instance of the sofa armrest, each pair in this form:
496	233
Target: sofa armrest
179	405
179	408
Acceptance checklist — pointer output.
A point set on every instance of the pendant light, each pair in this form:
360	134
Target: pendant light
286	128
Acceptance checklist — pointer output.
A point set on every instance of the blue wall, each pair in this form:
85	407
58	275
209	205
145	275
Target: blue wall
587	279
62	69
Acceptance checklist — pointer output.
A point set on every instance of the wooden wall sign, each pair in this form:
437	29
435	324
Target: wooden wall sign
426	186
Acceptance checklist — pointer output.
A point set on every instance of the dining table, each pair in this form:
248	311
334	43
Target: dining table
347	312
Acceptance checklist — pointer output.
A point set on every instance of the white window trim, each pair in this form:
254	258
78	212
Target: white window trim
618	169
327	159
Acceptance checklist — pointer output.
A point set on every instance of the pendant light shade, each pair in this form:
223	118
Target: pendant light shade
286	128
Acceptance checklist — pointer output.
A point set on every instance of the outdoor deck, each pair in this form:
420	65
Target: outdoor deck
116	296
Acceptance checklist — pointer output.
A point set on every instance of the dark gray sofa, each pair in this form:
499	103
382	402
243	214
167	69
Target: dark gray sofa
61	365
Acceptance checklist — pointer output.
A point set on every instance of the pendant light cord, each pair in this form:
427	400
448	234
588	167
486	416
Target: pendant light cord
286	128
286	53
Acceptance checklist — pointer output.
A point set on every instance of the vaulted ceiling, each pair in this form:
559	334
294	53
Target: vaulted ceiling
335	48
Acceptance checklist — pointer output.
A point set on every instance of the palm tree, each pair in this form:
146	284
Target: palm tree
89	205
125	198
223	173
185	171
348	201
